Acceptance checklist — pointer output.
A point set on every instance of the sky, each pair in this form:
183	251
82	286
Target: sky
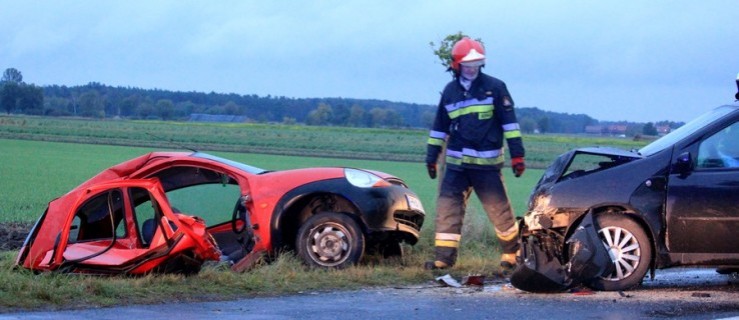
613	60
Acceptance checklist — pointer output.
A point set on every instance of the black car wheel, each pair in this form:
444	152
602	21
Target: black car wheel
330	240
629	249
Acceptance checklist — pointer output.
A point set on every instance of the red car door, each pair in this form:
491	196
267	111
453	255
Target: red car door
126	227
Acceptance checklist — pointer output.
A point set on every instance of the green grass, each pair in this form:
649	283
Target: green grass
22	290
334	142
35	172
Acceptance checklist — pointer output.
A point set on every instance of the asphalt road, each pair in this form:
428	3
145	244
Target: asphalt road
675	293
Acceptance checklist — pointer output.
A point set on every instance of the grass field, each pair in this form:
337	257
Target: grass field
41	159
334	142
35	172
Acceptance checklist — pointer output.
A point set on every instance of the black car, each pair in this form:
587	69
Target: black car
673	202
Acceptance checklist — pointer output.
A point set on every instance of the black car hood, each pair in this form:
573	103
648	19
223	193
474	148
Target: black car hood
555	171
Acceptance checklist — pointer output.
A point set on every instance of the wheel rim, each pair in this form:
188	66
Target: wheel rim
329	244
624	251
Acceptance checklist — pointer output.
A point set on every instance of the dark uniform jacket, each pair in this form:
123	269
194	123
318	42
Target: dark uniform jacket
474	123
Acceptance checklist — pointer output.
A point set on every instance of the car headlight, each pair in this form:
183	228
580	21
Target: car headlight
539	216
414	203
364	179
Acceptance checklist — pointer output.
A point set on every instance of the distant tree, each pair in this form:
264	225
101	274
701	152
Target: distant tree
427	118
185	109
543	124
128	105
393	118
9	92
288	120
528	125
231	108
444	49
649	129
145	110
320	116
56	106
379	117
356	116
633	129
264	117
91	105
12	75
165	109
31	99
341	115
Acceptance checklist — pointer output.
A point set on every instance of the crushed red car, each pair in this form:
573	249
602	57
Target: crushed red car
170	212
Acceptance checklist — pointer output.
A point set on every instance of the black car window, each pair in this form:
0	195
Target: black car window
721	150
99	218
686	130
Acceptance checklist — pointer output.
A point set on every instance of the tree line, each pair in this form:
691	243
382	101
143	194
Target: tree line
96	100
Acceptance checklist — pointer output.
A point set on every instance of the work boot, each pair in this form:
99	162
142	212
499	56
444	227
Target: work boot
508	261
435	265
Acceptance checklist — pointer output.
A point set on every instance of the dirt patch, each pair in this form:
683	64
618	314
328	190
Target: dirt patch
12	235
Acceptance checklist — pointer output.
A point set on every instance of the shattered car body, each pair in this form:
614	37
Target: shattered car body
671	203
172	211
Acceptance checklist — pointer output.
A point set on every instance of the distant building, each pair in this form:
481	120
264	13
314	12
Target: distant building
612	129
663	130
594	129
617	129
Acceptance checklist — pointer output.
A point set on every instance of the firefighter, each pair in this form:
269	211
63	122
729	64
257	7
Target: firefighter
474	115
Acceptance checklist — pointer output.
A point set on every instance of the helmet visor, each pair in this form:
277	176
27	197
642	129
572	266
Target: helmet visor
472	64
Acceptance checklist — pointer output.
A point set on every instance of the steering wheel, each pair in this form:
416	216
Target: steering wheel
239	213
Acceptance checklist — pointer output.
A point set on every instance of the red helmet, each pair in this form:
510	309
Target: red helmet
467	50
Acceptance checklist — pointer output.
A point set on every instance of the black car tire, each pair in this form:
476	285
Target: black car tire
387	249
629	245
330	240
390	249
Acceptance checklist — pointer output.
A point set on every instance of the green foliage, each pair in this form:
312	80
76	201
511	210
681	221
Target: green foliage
649	129
444	49
9	92
96	100
12	75
91	105
135	103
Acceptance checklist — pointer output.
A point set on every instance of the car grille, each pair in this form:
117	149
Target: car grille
409	218
397	182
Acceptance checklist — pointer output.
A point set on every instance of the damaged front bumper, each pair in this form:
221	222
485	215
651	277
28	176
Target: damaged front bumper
551	263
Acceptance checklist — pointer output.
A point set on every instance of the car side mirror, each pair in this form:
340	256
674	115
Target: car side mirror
684	163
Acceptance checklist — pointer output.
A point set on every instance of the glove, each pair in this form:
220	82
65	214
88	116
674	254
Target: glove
518	166
431	167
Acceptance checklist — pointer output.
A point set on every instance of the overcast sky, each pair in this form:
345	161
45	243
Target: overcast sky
613	60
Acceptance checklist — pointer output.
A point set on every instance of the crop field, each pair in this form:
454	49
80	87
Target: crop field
41	159
35	172
334	142
62	153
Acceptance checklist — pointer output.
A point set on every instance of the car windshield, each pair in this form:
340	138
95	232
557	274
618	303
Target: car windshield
684	131
244	167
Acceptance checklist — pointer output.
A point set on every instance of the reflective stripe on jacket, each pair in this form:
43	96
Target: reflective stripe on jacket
474	123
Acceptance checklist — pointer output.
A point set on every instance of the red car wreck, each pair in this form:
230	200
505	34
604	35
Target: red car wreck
170	212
